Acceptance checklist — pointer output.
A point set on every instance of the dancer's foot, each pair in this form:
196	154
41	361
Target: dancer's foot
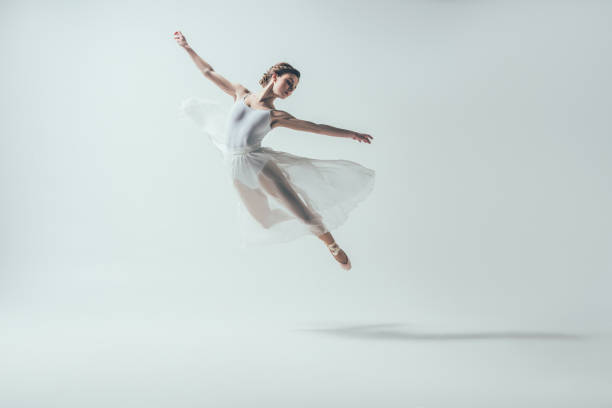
339	255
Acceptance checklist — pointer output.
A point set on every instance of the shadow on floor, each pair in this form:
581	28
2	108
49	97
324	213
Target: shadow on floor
393	331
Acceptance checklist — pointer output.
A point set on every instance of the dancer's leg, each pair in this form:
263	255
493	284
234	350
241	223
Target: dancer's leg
276	184
257	205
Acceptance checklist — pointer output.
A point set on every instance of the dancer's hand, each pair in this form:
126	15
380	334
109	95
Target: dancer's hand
180	39
361	137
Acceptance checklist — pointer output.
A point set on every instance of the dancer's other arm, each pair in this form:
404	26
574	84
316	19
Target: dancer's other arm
287	120
230	88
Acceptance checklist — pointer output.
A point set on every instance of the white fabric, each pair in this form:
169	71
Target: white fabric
282	196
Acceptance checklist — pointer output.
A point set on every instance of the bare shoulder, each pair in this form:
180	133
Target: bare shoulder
279	117
240	91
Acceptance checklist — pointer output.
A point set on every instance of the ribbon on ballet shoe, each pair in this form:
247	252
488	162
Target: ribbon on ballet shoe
334	248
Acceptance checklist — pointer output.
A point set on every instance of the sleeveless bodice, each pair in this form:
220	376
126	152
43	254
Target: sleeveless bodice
246	127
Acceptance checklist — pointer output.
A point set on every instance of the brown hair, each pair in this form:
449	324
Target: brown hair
280	69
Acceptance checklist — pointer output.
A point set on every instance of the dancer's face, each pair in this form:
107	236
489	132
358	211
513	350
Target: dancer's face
285	84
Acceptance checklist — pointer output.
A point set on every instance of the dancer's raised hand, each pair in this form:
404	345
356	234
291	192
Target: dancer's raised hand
362	137
180	39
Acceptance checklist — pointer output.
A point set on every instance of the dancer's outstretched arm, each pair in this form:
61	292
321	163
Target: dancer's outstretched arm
230	88
287	120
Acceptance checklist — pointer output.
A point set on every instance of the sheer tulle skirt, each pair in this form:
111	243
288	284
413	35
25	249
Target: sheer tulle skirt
282	196
290	196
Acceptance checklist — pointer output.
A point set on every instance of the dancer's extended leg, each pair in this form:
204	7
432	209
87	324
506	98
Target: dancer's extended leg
274	181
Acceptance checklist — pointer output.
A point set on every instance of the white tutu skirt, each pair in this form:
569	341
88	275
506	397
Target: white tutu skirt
282	196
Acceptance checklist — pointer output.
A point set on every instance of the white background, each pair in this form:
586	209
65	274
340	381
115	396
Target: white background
481	261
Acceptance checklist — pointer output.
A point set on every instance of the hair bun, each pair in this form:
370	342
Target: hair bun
280	69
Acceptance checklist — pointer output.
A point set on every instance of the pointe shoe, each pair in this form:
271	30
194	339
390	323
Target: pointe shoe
335	249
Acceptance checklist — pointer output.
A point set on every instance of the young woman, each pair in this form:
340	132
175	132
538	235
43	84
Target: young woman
286	196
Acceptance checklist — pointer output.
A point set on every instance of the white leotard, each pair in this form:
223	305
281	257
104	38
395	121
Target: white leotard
246	127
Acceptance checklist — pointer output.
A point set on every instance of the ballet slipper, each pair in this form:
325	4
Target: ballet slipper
335	249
